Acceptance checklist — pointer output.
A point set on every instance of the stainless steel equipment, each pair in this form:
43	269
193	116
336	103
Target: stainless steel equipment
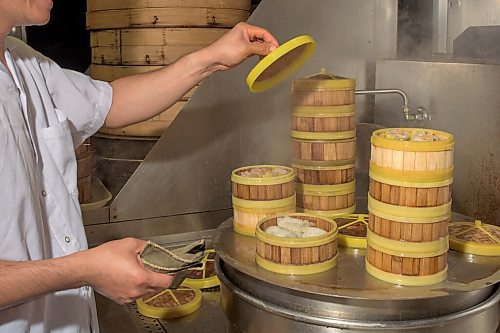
347	299
459	96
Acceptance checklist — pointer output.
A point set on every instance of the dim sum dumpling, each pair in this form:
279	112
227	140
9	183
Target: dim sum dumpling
280	232
312	232
294	225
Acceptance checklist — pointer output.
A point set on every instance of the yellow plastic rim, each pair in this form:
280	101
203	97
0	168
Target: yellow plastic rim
407	249
323	135
404	219
325	141
358	242
323	168
325	190
329	213
474	247
404	280
329	237
264	210
263	204
174	312
352	241
324	110
243	230
296	269
427	179
205	282
271	58
379	141
290	176
408	212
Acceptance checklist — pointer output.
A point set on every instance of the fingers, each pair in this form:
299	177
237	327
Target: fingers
261	49
260	34
159	280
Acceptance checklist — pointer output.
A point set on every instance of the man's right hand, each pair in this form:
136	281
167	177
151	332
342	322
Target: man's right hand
114	270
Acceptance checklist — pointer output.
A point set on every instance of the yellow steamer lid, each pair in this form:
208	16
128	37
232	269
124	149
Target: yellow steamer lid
281	63
352	230
204	278
324	81
170	303
475	238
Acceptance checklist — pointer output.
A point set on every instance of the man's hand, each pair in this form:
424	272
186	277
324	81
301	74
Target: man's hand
241	42
115	271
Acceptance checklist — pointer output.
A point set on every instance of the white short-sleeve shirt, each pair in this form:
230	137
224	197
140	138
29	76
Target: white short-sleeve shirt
45	112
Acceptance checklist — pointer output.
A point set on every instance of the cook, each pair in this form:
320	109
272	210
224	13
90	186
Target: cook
47	274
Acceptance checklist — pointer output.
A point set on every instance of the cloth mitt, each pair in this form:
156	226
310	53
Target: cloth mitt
178	261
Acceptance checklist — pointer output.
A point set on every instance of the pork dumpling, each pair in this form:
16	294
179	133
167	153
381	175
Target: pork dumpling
312	232
280	232
293	224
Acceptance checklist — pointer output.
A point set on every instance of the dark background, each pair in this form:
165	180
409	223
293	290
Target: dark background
65	38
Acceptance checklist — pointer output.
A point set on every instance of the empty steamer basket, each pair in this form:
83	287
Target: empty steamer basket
409	204
259	191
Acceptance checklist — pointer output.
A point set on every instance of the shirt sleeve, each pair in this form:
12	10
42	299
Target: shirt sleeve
84	100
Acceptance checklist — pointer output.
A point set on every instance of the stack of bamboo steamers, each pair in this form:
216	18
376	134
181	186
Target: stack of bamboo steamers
409	204
137	36
323	144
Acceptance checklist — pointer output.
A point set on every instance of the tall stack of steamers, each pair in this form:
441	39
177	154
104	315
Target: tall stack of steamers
137	36
409	204
323	144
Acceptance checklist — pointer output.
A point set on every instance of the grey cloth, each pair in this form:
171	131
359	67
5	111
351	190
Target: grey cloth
160	259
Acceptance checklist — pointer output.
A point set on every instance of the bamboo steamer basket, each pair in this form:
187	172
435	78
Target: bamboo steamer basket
324	175
84	165
326	200
297	256
407	245
255	197
413	174
410	185
338	122
149	46
475	238
420	161
98	5
166	17
323	89
331	152
406	263
408	224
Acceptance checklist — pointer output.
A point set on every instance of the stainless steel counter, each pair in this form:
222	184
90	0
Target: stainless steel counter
210	318
114	318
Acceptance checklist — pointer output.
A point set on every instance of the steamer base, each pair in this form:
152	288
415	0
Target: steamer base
347	299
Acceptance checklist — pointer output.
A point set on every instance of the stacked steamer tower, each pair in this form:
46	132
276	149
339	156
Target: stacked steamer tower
324	143
136	36
409	204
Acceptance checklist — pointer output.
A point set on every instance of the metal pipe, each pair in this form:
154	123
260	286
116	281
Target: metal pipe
385	91
420	114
